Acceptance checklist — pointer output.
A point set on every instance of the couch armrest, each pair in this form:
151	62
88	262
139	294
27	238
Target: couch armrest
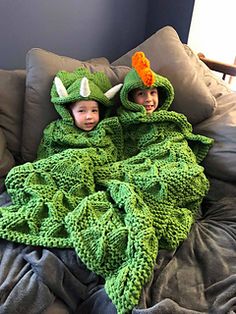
224	68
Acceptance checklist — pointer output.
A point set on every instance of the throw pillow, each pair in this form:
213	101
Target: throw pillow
168	58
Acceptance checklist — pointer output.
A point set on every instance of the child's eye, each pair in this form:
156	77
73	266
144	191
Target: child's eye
80	110
154	91
95	110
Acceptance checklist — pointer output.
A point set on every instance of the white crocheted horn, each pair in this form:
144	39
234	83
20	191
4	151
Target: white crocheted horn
84	87
112	91
61	90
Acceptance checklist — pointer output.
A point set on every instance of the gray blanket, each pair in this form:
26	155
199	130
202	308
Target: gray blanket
198	277
37	280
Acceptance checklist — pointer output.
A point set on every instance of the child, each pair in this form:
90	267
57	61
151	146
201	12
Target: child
162	153
45	191
162	137
85	114
146	97
82	99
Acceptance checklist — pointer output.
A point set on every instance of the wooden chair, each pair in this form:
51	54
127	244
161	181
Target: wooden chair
224	68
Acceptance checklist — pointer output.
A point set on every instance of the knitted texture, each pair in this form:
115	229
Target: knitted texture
98	84
45	191
144	204
132	81
106	139
116	194
149	202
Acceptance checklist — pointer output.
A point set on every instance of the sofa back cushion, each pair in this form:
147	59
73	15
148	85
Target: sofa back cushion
41	67
12	95
168	58
6	160
216	86
12	91
220	162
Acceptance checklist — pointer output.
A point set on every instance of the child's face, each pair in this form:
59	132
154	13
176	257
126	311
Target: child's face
147	98
85	114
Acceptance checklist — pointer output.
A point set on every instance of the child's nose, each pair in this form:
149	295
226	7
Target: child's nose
148	98
88	115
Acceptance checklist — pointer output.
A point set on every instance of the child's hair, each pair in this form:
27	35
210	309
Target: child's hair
100	107
162	94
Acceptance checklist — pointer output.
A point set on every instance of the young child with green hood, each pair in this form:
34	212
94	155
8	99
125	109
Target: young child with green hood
162	156
73	146
161	139
84	101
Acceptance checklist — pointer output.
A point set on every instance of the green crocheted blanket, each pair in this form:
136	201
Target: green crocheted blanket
115	207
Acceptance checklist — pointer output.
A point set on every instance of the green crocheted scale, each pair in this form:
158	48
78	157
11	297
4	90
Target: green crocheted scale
116	194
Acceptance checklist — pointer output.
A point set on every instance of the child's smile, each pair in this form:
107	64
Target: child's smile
147	98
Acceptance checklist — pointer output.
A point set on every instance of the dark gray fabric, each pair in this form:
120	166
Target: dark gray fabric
199	277
31	278
5	199
221	126
220	189
98	303
20	289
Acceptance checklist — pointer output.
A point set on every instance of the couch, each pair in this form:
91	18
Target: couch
199	276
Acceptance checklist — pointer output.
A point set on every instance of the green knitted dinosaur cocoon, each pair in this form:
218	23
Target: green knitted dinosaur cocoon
116	194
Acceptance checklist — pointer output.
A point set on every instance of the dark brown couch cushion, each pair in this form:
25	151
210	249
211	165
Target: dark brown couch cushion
42	66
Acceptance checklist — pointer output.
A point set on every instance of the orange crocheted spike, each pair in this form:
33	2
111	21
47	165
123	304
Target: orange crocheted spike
139	61
142	66
148	77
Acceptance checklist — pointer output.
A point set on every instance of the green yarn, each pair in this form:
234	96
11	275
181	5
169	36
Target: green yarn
45	191
106	140
115	214
116	194
119	243
132	81
98	84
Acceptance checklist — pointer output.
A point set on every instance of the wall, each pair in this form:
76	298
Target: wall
177	13
214	34
84	29
77	28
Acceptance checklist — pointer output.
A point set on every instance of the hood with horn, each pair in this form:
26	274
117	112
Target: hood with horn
69	87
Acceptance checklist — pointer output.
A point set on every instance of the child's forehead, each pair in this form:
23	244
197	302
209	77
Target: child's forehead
86	104
136	90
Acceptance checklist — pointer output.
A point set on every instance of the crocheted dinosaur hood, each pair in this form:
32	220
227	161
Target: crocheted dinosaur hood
69	87
141	76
